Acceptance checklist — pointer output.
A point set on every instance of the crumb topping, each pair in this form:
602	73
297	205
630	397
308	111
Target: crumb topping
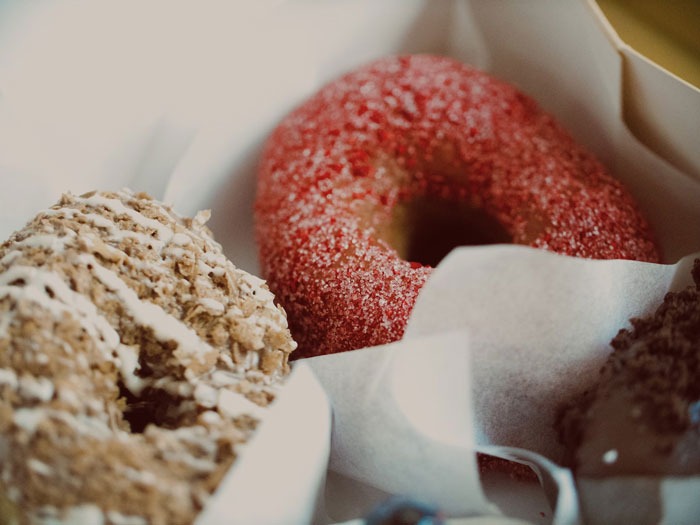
643	415
135	362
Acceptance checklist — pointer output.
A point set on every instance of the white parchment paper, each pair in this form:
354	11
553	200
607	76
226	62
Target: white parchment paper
403	420
278	475
540	326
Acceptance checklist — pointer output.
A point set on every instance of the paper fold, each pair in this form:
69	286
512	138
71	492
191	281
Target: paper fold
278	475
402	420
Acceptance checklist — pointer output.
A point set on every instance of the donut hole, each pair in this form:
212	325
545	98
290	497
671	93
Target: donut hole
426	230
150	407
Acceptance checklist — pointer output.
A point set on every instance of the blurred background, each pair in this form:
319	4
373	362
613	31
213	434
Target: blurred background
665	31
118	90
110	89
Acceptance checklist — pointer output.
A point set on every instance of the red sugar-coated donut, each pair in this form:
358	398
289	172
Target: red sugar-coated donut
364	186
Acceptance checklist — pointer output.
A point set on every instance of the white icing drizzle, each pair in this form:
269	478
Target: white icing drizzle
252	360
206	269
148	265
227	360
48	241
181	239
140	476
119	208
251	284
203	465
8	377
210	417
174	386
176	253
221	378
114	233
79	515
30	418
165	327
38	287
212	305
206	395
35	388
39	466
37	284
68	396
232	404
10	256
128	365
122	519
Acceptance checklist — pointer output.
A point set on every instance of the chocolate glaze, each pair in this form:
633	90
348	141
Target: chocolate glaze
643	416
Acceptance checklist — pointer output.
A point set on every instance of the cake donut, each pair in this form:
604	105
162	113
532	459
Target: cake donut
366	185
135	363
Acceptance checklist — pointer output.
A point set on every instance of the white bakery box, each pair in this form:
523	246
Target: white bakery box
176	99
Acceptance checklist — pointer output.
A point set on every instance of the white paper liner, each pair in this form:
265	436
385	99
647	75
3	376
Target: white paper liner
540	326
278	475
398	424
555	51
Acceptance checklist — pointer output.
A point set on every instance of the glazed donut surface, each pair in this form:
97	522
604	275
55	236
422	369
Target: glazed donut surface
366	185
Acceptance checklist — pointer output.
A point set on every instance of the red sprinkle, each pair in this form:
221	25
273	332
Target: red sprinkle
454	133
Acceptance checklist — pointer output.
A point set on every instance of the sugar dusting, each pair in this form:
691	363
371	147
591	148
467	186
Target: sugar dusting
405	128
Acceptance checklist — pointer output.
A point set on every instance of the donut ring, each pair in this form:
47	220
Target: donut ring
135	363
361	187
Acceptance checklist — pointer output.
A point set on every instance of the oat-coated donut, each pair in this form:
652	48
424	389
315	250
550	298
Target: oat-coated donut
369	182
135	363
